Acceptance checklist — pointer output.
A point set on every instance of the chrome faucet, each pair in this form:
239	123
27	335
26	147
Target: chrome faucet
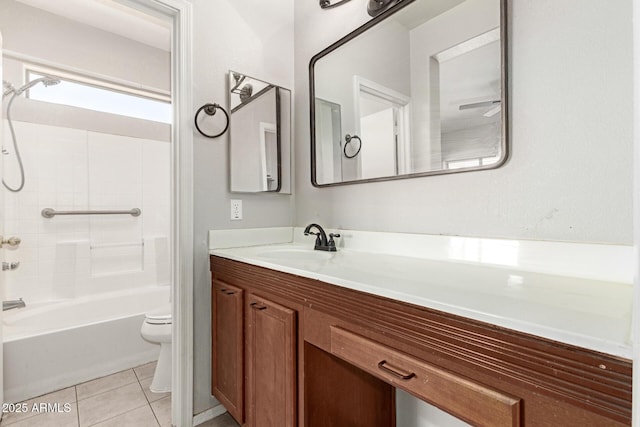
9	305
322	243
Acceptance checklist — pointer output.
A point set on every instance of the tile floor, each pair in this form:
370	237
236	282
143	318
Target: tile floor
119	400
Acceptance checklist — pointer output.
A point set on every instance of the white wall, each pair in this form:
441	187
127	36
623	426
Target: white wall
50	38
253	37
570	172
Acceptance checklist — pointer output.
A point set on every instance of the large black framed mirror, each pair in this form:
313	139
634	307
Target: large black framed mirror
419	90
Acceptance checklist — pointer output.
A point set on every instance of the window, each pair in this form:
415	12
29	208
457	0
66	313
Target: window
92	94
470	163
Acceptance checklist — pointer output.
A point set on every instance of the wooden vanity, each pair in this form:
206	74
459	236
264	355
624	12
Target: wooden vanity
289	350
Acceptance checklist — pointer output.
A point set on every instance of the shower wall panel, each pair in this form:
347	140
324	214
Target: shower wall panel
115	183
72	256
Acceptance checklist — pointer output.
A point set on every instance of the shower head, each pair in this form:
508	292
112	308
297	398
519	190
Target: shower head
46	80
7	88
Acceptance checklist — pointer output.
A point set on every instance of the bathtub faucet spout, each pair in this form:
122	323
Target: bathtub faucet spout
9	305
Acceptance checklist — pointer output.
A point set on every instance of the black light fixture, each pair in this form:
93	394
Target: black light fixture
376	7
245	91
326	4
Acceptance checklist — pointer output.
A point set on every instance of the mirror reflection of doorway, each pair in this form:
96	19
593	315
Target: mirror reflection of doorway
382	119
378	124
269	156
329	137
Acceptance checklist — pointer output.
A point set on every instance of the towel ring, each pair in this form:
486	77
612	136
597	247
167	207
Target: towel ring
347	141
210	110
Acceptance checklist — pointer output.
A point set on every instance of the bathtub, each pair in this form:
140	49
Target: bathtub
54	345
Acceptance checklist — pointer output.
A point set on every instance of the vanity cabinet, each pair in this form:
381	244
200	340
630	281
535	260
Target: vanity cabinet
320	355
253	358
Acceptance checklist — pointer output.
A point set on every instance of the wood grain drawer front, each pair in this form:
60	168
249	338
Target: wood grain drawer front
470	401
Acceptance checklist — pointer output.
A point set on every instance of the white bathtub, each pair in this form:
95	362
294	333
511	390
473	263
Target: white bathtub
55	345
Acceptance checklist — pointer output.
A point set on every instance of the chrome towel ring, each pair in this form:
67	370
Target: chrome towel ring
347	140
210	110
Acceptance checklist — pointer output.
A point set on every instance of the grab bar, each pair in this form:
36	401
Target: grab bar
50	213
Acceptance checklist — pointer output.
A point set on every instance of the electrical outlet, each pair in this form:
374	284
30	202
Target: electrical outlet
236	210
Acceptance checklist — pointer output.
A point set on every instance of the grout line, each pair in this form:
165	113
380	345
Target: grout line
111	389
145	394
154	414
119	415
136	374
75	389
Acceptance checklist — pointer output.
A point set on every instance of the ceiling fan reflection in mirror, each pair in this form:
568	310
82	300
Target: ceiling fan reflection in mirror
495	107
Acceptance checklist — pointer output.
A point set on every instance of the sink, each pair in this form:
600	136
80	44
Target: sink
292	254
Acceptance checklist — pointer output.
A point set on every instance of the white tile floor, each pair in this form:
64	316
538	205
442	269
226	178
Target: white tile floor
119	400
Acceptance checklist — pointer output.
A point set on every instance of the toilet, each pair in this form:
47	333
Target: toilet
157	330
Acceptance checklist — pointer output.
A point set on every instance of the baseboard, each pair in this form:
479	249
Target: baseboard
209	414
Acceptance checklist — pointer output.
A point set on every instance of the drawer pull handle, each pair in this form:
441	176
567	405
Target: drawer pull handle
393	371
227	292
257	306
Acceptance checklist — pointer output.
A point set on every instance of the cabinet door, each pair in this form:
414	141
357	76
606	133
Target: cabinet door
227	348
271	364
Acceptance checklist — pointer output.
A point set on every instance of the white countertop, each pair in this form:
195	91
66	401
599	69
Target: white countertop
586	312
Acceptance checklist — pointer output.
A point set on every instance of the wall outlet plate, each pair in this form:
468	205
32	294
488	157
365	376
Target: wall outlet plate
236	210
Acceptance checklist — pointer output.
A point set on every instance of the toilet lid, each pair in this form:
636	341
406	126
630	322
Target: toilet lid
159	315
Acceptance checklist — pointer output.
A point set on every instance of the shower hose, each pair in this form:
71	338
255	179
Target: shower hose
15	148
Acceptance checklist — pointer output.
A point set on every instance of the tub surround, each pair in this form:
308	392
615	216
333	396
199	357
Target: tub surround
579	294
77	256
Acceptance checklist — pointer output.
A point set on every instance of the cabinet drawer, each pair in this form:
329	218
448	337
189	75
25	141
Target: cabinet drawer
472	402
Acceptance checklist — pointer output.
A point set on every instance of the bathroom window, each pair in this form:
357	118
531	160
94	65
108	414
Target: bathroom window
469	163
92	94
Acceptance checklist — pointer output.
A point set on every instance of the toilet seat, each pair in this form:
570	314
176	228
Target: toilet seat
160	316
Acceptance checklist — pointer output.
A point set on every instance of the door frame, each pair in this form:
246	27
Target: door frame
180	12
2	219
266	128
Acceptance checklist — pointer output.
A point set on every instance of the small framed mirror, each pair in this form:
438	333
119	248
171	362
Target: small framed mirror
419	90
260	136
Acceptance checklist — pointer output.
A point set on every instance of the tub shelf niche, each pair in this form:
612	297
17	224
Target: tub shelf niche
116	258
